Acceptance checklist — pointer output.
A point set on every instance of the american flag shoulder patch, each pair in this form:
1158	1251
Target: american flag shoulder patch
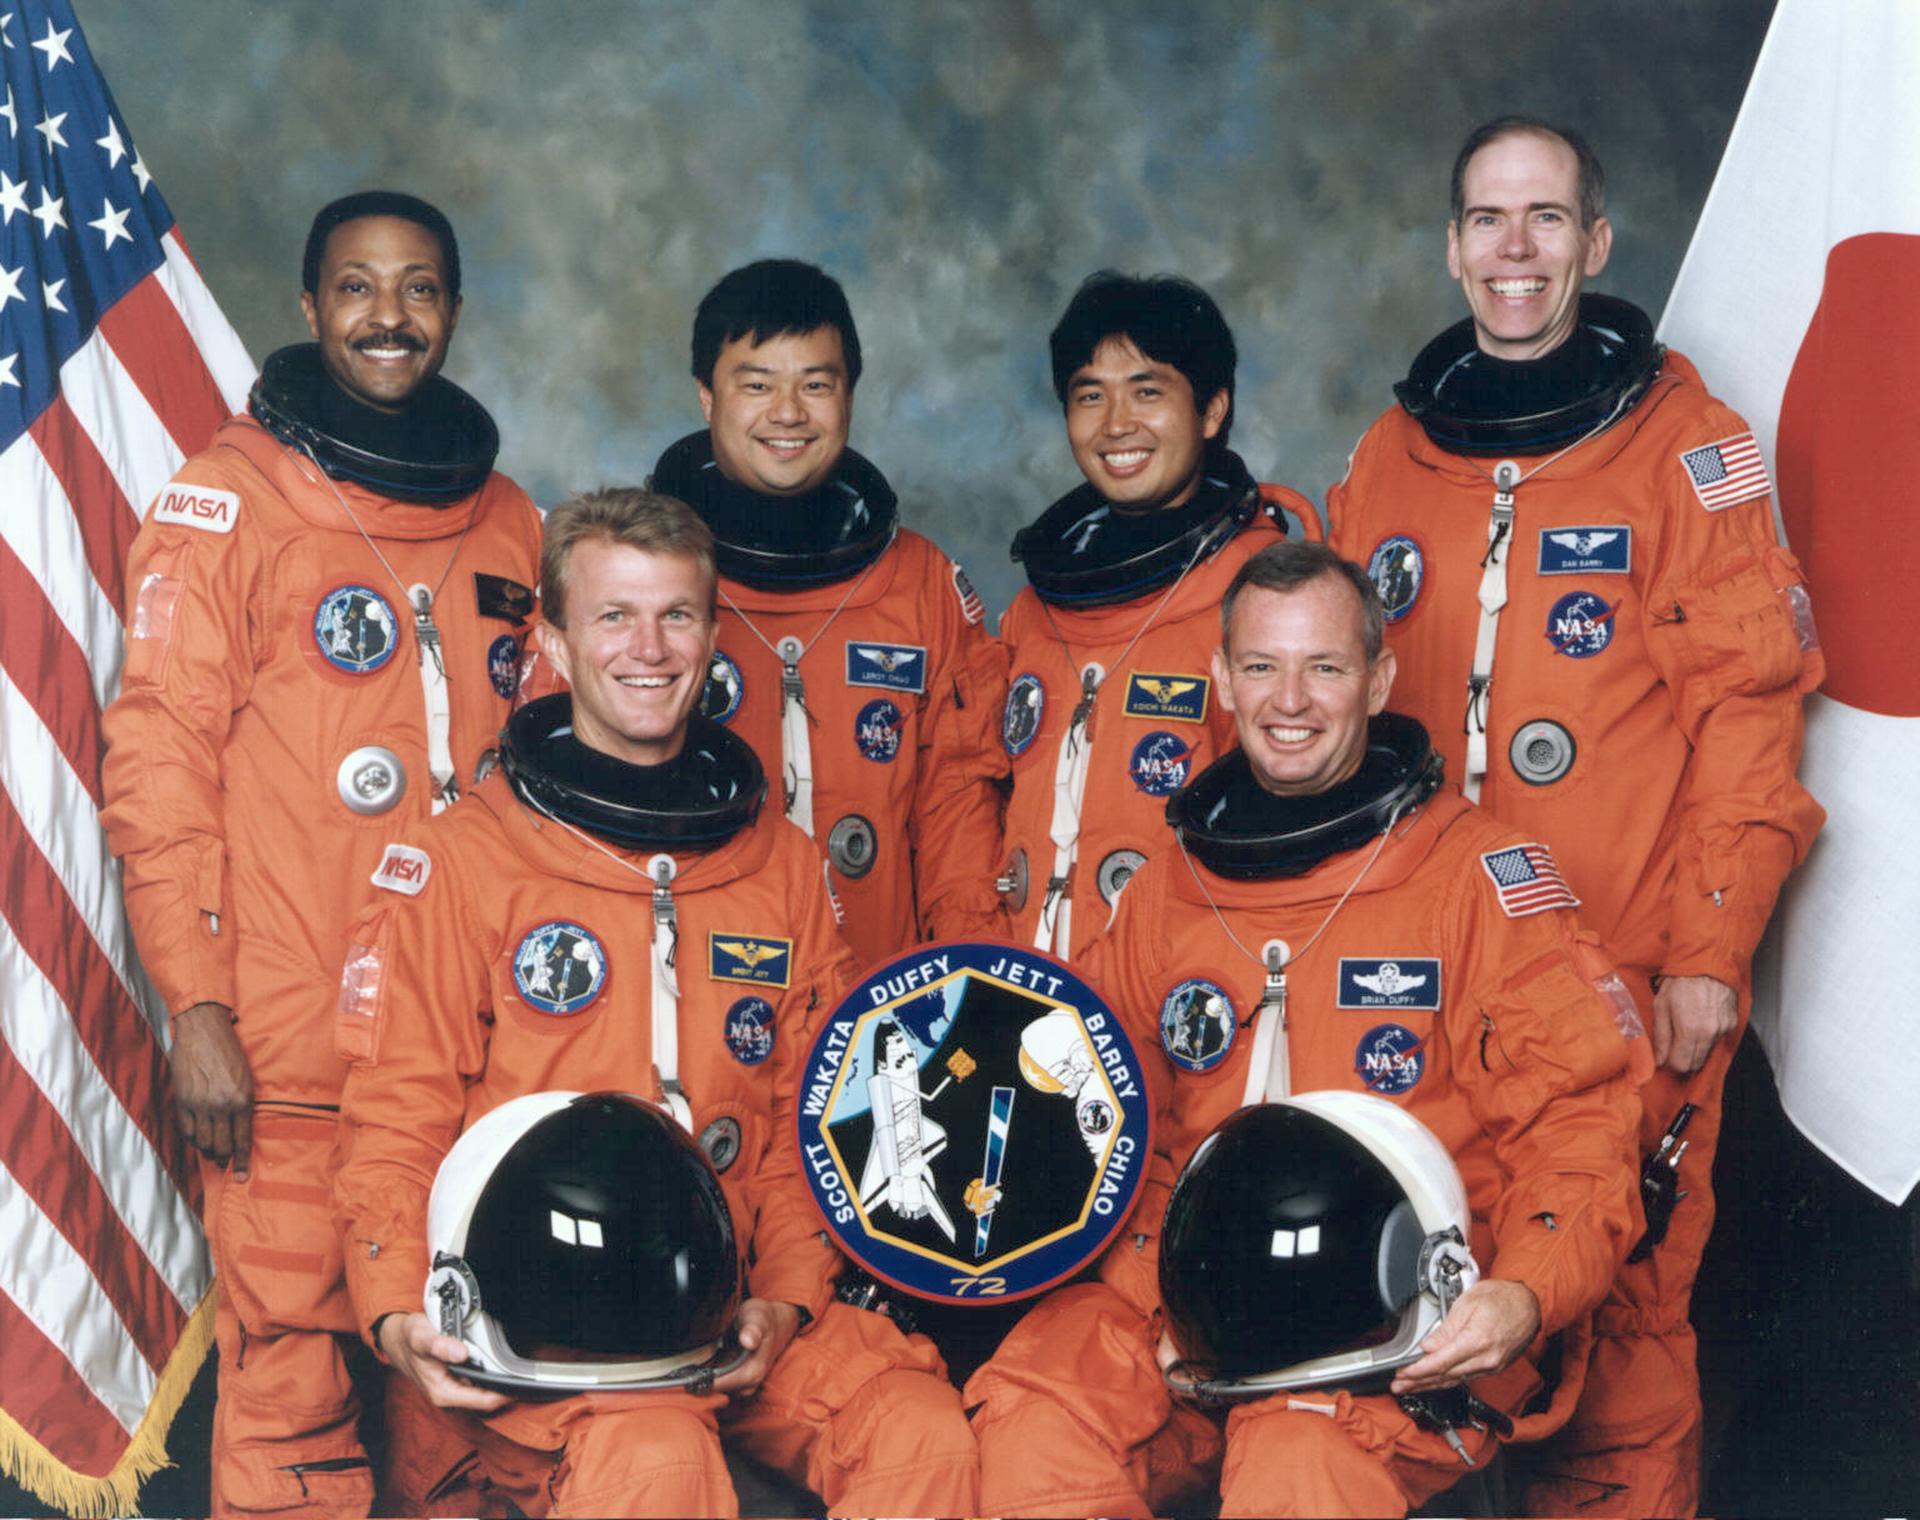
1728	472
1526	880
971	607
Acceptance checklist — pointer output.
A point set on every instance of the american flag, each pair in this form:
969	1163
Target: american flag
1726	472
115	364
1527	881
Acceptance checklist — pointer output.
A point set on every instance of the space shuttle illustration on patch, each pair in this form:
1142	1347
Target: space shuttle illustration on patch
898	1173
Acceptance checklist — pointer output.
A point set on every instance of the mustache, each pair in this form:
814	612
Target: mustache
404	340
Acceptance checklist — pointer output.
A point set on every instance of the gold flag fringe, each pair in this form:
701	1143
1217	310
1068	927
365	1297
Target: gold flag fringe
85	1496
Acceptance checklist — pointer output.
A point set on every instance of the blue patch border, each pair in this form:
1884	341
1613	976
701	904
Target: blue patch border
1416	1047
377	663
1187	1063
1040	1267
886	682
573	1006
766	1025
1359	962
1393	614
1625	555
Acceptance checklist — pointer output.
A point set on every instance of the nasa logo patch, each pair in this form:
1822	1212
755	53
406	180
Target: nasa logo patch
898	667
1026	700
1161	763
354	627
1397	982
720	693
199	507
560	967
1181	699
1390	1058
749	1030
1581	625
1606	550
1397	571
1197	1024
403	869
503	664
877	731
973	1122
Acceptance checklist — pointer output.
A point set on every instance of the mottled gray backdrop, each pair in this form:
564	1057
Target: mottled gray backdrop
960	166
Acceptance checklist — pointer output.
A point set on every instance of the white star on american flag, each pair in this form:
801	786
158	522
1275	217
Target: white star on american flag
111	224
13	197
140	171
49	213
116	149
10	285
51	294
7	363
13	121
48	126
54	45
5	22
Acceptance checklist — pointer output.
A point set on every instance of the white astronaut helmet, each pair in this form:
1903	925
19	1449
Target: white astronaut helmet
1311	1242
582	1242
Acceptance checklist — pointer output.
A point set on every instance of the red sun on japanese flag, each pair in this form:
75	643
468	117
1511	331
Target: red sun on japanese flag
1848	462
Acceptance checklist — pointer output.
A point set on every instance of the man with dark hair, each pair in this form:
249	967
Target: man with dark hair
1345	921
614	911
328	607
851	655
1593	615
1110	709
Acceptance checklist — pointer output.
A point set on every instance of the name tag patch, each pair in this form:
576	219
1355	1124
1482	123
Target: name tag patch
1389	982
749	958
497	596
403	869
199	507
897	667
1604	550
1181	698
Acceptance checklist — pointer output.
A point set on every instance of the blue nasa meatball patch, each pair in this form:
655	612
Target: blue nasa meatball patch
1581	624
877	730
503	664
749	1030
355	629
1197	1024
1161	763
1026	700
1390	1058
560	967
721	692
1397	571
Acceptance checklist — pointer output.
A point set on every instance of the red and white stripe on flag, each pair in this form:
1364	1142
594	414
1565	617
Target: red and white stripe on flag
1800	301
115	364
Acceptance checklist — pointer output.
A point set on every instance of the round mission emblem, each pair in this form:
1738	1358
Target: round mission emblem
1396	570
720	693
1197	1024
1026	698
354	627
974	1122
560	967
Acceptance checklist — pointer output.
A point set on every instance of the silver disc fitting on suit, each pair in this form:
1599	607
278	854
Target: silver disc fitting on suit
852	846
1542	752
371	779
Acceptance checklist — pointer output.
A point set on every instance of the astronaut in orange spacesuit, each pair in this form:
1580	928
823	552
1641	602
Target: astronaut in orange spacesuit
327	611
1596	621
613	910
1110	707
852	655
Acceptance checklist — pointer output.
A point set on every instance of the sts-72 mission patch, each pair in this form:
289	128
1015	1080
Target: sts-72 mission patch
974	1122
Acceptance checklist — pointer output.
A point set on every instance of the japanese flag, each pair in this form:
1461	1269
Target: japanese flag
1800	300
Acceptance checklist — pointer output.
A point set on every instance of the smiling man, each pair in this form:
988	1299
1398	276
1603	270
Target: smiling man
1111	708
614	911
328	606
1341	922
1575	545
851	653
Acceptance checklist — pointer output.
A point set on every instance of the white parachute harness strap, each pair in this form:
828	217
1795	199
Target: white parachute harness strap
1054	931
433	668
1269	1069
796	744
1507	478
664	998
665	1011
